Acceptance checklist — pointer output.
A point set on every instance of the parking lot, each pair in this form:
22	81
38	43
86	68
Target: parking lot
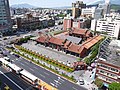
53	54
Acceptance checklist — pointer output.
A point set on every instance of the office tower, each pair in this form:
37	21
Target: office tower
5	19
107	7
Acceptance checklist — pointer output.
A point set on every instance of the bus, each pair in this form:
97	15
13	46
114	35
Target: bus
28	76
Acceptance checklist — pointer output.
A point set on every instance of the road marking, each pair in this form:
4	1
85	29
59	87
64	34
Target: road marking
52	84
42	75
11	80
26	62
46	73
31	69
59	78
57	82
35	68
22	64
74	88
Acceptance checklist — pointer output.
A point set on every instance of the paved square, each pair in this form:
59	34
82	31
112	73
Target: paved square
53	54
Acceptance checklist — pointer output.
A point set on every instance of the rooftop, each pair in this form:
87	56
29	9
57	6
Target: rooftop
113	57
71	38
56	41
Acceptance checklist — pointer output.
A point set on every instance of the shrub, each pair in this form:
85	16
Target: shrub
99	82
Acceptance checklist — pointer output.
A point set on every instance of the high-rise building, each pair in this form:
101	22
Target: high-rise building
76	8
107	7
5	19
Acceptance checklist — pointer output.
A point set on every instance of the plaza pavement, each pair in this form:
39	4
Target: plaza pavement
53	54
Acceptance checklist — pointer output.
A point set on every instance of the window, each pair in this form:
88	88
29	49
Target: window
114	69
101	71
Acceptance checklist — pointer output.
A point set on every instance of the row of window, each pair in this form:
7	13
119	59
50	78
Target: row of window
106	79
109	68
108	74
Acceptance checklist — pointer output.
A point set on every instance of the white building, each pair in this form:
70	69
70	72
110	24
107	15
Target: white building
110	25
94	12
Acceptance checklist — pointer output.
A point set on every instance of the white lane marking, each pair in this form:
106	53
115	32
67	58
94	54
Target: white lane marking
11	80
57	82
60	79
31	69
52	84
22	64
35	68
74	88
26	62
42	75
46	73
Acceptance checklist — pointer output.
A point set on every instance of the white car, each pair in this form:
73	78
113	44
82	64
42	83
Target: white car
11	53
81	81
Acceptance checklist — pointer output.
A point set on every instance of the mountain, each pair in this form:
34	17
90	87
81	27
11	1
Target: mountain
64	7
103	1
23	6
115	7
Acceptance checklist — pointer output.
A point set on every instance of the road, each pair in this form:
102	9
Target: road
34	33
45	75
12	80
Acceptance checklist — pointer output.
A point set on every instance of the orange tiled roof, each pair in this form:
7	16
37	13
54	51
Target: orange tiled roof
75	48
57	41
66	44
79	31
42	39
89	43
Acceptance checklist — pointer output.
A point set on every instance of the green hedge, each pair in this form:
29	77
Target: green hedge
67	77
47	60
94	53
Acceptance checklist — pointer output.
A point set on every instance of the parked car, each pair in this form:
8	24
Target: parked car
81	81
17	55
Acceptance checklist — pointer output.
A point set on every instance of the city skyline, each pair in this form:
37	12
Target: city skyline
48	3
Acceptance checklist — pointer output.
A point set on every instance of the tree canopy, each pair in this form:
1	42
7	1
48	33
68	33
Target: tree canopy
114	86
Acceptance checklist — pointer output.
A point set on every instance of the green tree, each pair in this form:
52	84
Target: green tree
114	86
79	59
87	60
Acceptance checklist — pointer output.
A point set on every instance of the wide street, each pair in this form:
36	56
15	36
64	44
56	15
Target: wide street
45	75
13	81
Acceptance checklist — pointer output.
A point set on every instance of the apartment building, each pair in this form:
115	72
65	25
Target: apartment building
93	12
108	72
28	22
109	25
108	68
81	22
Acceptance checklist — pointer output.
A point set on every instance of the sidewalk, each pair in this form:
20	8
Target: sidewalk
88	78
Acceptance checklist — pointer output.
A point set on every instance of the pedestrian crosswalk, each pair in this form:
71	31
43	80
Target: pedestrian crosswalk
57	82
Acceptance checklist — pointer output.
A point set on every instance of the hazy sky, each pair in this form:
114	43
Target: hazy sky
48	3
